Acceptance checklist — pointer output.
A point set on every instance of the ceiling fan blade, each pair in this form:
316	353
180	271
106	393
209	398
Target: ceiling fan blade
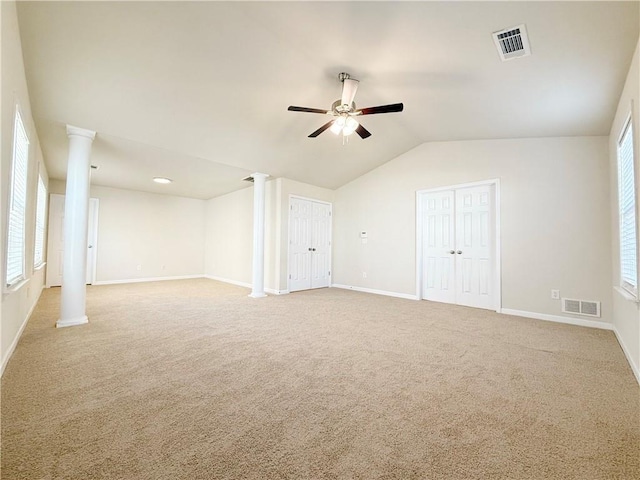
349	89
321	129
307	110
363	132
394	107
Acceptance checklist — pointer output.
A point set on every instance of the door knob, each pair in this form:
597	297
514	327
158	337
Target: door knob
309	248
459	252
452	252
90	246
313	249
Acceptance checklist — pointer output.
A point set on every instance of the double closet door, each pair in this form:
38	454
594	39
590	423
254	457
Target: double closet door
309	244
458	246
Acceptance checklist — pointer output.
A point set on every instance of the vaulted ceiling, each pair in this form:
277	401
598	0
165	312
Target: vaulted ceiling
198	91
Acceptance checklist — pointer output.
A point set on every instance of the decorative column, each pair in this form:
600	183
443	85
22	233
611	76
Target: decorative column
259	180
76	220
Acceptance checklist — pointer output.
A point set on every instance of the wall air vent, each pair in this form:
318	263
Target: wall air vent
581	307
512	43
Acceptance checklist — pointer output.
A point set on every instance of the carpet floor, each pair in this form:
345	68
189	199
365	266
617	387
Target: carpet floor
195	380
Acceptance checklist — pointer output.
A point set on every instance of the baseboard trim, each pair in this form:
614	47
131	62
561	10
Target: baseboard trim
149	279
406	296
14	344
581	323
72	322
228	280
634	367
273	291
558	319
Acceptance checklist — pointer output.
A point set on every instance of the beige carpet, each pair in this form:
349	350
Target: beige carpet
194	380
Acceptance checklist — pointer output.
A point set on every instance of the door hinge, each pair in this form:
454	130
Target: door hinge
329	272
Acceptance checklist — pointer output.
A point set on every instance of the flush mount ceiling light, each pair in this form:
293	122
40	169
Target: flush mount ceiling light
162	180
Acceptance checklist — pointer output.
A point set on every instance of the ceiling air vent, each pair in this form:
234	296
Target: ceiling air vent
581	307
512	43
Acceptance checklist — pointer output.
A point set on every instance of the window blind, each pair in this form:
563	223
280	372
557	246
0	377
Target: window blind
41	207
627	208
17	203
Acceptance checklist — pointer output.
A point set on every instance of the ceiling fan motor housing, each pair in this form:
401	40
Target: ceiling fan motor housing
337	107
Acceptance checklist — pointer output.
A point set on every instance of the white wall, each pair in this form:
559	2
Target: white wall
229	235
17	304
626	313
554	208
163	234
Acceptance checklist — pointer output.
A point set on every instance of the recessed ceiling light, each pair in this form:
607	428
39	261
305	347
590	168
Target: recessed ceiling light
162	180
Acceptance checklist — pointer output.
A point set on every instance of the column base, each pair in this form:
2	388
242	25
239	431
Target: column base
257	294
72	322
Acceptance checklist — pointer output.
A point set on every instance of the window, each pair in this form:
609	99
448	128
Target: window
17	202
627	208
41	207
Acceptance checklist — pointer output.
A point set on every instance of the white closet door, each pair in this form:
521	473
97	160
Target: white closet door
474	263
320	245
309	244
458	246
299	244
438	272
55	248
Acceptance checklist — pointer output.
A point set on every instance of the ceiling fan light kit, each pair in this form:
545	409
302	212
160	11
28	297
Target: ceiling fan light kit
344	109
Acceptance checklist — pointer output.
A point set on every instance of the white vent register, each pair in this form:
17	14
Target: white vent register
581	307
512	43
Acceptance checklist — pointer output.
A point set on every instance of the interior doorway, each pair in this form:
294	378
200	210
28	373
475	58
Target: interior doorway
55	245
458	247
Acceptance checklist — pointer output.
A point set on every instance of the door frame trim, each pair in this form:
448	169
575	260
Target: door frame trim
96	220
495	183
300	197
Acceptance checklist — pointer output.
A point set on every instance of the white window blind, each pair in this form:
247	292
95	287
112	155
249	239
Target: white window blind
627	207
41	207
17	203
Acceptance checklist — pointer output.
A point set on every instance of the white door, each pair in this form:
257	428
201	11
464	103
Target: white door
299	244
320	245
438	253
309	244
55	251
458	227
474	265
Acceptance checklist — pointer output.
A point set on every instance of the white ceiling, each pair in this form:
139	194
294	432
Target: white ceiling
198	92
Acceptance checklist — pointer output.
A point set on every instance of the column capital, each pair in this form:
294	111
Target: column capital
259	175
82	132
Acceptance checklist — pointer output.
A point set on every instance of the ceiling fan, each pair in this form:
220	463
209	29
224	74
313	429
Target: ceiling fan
344	111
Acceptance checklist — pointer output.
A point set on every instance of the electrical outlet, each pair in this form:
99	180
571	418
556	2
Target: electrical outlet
163	267
139	267
364	274
555	294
